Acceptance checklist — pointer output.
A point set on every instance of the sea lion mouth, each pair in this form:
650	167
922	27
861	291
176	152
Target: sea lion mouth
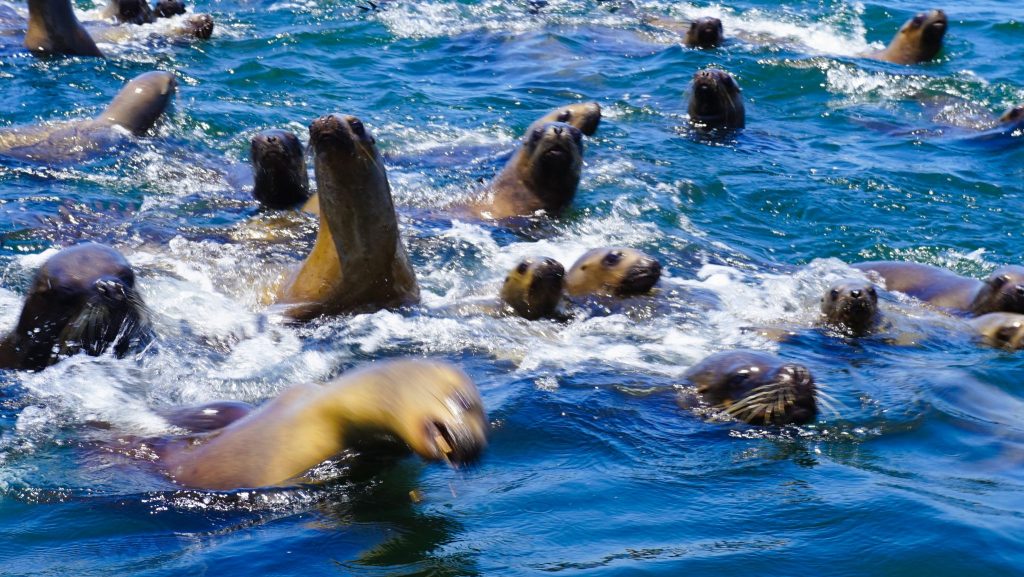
640	278
788	398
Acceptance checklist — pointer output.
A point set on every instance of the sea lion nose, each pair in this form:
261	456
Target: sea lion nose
271	139
558	130
856	293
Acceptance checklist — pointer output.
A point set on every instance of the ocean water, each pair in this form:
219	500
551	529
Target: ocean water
592	468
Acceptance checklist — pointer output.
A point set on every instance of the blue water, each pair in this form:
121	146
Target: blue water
592	468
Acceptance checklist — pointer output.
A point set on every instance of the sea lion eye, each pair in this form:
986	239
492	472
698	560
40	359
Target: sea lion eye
918	20
835	294
523	267
999	281
357	127
536	135
612	258
564	116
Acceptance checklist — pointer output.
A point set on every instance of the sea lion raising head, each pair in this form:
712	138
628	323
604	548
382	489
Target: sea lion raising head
612	271
919	40
141	102
534	287
280	178
851	304
715	100
83	299
53	28
543	174
756	387
705	32
585	116
358	262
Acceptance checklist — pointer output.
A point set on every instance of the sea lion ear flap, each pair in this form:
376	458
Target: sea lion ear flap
997	282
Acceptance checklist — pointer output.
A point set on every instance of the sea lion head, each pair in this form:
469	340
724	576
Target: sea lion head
279	169
614	271
852	304
168	8
130	11
82	299
343	144
1013	115
1003	291
755	387
199	26
585	116
141	102
1002	330
920	38
551	160
705	32
715	100
534	287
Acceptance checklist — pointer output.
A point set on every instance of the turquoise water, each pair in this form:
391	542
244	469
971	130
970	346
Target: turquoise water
592	467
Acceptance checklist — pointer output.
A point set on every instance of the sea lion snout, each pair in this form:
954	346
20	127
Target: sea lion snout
111	289
641	277
336	129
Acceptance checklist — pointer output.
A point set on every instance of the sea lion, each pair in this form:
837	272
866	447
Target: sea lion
279	169
139	12
53	28
715	100
82	299
432	407
1012	116
585	116
533	289
1002	291
851	304
612	271
755	387
357	262
705	32
542	175
918	40
134	110
1001	330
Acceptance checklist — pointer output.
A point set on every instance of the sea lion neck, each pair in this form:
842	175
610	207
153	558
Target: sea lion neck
53	28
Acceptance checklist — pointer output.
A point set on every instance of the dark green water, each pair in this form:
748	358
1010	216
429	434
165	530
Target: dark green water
592	468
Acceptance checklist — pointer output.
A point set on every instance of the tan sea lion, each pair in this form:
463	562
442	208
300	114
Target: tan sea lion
358	262
585	116
755	387
53	28
134	110
533	289
82	299
542	175
1001	330
1002	291
612	271
851	304
919	40
280	178
715	100
430	406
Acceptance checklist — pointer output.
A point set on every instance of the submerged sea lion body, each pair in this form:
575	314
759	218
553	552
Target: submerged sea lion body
715	100
1002	291
432	407
358	262
612	271
82	299
134	110
533	289
852	305
542	175
280	178
755	387
918	40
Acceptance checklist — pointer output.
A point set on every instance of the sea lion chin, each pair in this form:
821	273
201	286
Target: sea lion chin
755	387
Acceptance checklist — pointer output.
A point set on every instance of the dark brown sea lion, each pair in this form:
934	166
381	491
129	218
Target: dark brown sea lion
1001	330
358	262
139	12
280	178
715	100
919	40
755	387
53	28
533	289
542	175
83	299
585	116
1002	291
612	271
851	304
134	110
431	407
706	32
168	8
